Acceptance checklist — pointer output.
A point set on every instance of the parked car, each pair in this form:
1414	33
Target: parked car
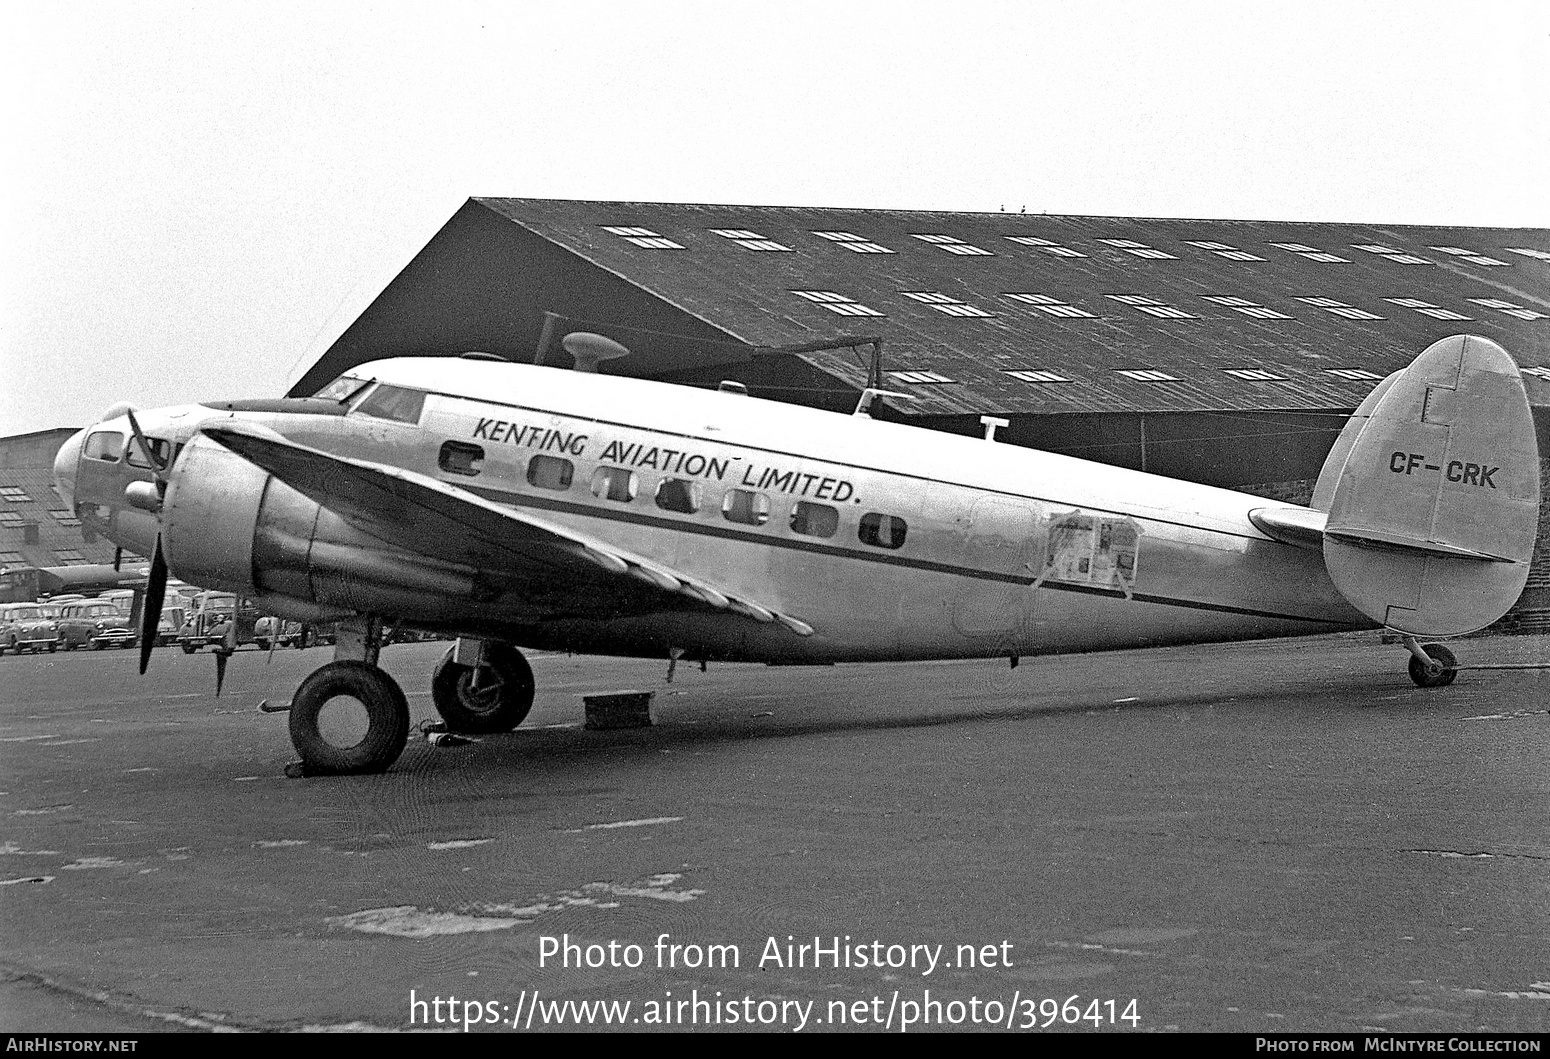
212	616
38	629
272	631
169	626
95	623
317	634
28	626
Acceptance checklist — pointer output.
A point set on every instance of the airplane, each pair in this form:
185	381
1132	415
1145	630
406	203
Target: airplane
529	506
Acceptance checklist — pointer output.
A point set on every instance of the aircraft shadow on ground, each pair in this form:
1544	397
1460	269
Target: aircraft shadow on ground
558	747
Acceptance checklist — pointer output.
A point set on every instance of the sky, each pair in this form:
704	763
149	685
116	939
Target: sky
197	198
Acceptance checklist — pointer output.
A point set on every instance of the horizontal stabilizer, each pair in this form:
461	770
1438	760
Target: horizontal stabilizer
1297	526
1433	493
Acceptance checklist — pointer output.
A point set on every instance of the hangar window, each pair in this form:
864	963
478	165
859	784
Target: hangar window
920	378
851	241
459	457
1312	253
1130	246
1527	251
1146	375
1350	312
105	445
64	516
678	494
1354	374
945	304
1152	307
72	557
746	506
614	483
1389	253
397	403
1510	308
836	303
954	246
1538	373
814	520
751	240
1255	374
1246	307
1036	375
1436	312
641	237
1051	305
1231	253
11	557
1471	256
882	531
15	495
550	472
10	518
1046	245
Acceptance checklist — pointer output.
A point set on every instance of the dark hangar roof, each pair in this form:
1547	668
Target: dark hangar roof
36	529
1102	314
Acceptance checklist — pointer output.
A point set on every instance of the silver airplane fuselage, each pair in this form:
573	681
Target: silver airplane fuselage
890	541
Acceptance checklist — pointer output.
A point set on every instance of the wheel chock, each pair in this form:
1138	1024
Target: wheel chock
620	709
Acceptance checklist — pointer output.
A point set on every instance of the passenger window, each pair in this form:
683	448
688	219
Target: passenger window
459	457
746	506
678	494
134	455
104	445
550	472
393	402
613	483
814	520
882	531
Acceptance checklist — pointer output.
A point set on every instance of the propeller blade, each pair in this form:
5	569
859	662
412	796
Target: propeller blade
220	671
158	465
150	611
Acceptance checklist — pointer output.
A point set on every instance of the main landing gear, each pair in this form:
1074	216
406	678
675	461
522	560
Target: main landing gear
482	686
350	717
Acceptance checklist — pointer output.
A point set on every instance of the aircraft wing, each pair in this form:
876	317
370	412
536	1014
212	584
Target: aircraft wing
421	515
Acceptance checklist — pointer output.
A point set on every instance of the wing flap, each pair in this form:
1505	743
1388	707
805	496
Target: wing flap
420	514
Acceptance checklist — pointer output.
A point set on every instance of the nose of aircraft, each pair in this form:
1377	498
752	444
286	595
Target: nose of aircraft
65	462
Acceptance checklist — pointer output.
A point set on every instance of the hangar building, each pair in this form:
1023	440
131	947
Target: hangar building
1224	352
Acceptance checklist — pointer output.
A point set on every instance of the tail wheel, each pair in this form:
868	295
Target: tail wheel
1437	675
497	702
349	717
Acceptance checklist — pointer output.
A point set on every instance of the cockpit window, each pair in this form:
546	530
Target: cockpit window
134	455
342	388
393	402
104	445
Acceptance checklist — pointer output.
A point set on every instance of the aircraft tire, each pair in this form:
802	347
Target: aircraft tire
498	705
387	718
1424	677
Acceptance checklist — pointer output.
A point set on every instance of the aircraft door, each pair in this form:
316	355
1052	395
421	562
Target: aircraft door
1001	543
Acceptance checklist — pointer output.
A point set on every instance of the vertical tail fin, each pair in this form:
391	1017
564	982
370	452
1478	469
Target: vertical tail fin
1433	493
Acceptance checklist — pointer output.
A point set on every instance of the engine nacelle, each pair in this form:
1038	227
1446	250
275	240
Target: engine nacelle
208	517
228	525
